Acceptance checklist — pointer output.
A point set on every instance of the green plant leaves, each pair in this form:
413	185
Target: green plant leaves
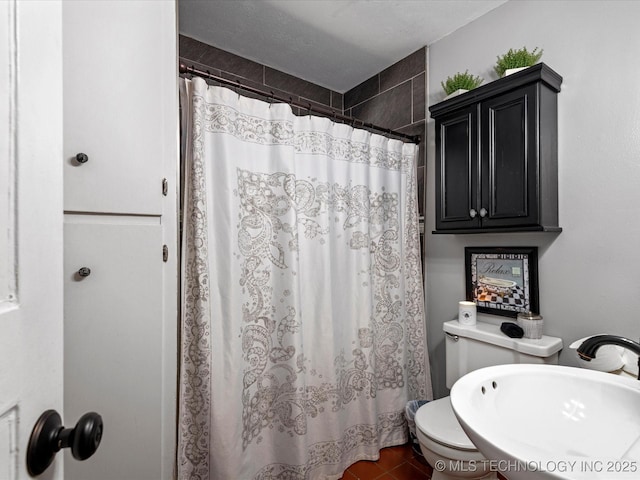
459	81
516	59
512	59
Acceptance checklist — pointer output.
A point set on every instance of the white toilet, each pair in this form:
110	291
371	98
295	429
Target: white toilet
443	442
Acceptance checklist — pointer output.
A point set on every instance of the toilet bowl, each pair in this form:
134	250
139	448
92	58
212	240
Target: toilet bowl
445	445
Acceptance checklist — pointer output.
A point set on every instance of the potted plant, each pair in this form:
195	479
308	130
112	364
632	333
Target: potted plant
516	60
460	83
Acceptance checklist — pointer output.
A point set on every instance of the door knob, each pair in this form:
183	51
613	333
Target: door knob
473	213
483	212
49	436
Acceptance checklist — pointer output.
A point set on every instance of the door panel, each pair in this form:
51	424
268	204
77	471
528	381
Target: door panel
115	86
114	311
509	158
456	166
508	178
31	225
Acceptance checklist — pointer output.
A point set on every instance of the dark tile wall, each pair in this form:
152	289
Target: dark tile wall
233	67
395	98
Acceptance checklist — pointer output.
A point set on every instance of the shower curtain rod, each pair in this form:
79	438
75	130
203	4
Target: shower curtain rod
311	108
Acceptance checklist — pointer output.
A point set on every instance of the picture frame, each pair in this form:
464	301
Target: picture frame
502	280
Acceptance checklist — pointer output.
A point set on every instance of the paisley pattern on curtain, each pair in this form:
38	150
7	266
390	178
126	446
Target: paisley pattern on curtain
303	332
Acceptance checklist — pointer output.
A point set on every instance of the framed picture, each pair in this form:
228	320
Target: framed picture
502	280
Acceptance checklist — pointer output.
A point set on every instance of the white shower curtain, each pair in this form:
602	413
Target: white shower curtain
303	332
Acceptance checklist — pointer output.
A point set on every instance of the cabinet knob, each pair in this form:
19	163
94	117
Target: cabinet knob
473	213
82	158
84	272
483	212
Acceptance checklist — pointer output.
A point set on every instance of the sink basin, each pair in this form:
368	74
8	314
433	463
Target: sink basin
550	421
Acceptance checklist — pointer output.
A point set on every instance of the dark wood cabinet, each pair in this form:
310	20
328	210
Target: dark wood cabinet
496	156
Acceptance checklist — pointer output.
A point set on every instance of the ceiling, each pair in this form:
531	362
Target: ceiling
335	43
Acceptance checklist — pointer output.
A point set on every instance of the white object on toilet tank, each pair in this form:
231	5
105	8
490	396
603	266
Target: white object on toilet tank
484	345
467	313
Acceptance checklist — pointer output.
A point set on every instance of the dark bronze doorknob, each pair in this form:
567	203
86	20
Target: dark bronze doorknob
49	436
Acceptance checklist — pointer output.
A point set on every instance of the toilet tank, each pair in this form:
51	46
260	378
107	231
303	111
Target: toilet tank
469	348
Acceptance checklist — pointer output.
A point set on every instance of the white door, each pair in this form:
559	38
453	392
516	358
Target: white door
31	329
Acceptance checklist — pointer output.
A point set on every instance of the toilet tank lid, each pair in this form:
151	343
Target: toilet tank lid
489	333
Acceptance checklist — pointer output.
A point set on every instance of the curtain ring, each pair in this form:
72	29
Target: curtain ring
238	87
309	108
272	99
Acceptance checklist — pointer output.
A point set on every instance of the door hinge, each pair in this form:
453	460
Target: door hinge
165	187
165	253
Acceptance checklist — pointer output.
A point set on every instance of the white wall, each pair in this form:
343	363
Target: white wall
590	273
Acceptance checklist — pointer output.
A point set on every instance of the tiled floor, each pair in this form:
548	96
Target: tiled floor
395	463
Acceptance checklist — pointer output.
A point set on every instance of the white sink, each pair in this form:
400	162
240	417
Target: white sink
549	421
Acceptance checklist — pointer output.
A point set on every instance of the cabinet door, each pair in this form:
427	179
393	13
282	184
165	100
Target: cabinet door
509	159
113	312
456	170
115	95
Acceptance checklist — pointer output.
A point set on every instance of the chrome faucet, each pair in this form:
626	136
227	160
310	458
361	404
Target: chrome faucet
587	349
